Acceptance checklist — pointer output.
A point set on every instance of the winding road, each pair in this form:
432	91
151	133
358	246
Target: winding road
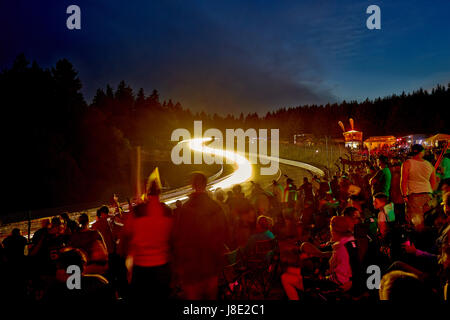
243	174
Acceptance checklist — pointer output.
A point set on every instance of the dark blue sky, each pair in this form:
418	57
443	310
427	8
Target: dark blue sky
231	56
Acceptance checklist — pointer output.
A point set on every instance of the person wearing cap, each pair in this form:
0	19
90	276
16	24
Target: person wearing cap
418	180
340	271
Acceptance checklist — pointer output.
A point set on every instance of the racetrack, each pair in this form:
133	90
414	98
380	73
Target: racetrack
243	174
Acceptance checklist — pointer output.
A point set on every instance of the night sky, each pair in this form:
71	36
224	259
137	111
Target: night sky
232	56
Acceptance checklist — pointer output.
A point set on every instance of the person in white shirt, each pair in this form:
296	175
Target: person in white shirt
418	181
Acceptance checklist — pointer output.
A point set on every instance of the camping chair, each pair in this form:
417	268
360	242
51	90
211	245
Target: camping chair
262	266
232	282
354	290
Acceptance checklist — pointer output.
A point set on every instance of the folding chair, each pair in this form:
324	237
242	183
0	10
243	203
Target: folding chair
232	282
262	267
354	290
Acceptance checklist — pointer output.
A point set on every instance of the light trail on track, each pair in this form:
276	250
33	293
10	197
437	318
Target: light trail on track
243	173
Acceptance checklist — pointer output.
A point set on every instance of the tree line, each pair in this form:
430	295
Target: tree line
59	149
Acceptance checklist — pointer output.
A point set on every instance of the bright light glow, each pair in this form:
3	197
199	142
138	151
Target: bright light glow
243	172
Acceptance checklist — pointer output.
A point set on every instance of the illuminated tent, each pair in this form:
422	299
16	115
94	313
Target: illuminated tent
437	138
379	142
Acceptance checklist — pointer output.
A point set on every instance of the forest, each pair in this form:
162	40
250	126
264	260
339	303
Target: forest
62	150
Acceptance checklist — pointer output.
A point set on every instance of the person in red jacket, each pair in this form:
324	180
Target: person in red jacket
146	240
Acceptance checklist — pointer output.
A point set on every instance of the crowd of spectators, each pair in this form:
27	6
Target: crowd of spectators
392	213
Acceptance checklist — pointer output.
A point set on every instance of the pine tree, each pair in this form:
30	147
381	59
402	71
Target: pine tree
99	99
140	99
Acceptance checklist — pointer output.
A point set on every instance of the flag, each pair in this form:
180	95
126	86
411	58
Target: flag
154	176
